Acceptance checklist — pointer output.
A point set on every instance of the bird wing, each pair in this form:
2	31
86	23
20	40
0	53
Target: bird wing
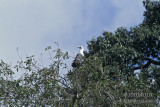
77	60
79	56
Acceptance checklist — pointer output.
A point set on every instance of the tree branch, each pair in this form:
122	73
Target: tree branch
150	61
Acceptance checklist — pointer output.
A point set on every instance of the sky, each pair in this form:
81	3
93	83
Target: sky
32	25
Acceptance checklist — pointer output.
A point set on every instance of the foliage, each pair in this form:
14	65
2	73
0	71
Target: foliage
106	76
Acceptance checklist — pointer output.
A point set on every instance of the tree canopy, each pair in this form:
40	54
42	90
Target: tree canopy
120	68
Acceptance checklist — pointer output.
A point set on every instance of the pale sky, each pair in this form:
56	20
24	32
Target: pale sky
32	25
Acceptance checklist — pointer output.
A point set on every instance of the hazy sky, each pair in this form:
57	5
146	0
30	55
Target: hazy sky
32	25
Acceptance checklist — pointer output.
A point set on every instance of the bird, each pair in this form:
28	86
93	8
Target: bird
79	57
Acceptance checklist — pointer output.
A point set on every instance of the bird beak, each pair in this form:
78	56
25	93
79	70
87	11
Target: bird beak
78	47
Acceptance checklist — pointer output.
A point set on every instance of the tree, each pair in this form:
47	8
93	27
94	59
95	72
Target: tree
106	76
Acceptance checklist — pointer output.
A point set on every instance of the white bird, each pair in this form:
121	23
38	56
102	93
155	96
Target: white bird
78	57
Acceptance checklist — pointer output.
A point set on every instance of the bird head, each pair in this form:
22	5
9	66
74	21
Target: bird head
80	47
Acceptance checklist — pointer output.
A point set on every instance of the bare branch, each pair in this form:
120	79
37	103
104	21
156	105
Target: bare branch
150	61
